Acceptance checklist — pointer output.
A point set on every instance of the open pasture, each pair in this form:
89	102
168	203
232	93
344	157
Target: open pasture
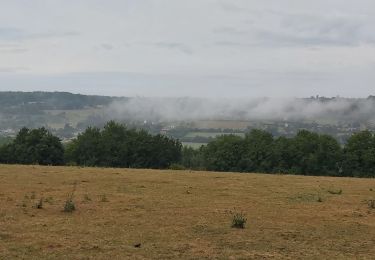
143	214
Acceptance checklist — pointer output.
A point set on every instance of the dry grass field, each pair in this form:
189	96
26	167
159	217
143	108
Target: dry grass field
232	124
149	214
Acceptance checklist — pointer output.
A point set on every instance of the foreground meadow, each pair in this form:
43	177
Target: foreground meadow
143	214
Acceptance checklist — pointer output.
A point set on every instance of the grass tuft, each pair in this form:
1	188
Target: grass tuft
69	203
86	198
371	204
103	198
49	200
239	220
69	206
335	192
39	204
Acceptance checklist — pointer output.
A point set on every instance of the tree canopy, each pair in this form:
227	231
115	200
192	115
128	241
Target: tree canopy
116	145
37	146
307	153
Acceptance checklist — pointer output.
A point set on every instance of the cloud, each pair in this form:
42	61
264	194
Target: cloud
12	48
174	46
17	34
8	33
315	30
268	28
233	44
230	7
228	30
107	46
181	109
12	69
252	83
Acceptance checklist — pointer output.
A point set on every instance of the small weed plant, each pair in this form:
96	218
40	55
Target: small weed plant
371	204
239	220
48	200
103	198
39	204
69	203
335	192
86	198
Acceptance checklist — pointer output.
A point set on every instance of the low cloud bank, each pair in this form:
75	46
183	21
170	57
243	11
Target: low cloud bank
187	109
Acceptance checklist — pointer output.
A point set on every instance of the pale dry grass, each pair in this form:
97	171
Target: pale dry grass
182	215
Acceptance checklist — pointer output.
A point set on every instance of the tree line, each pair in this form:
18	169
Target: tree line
112	146
115	145
307	153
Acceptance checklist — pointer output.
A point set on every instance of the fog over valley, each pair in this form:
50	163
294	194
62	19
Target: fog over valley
185	109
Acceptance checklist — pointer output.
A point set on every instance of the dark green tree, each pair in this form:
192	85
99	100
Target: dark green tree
117	146
224	153
284	152
257	153
192	158
316	154
37	146
359	155
86	149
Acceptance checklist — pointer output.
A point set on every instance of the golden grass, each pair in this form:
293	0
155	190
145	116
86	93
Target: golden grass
182	215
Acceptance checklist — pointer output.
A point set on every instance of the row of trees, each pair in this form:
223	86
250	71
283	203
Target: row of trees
115	145
307	153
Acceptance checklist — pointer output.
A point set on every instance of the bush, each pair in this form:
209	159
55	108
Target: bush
239	220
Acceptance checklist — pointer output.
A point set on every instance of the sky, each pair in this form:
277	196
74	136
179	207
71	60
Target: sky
198	48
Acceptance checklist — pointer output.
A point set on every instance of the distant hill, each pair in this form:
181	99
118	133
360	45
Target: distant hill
50	109
52	100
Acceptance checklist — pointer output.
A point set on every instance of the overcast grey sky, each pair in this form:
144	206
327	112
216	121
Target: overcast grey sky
212	48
